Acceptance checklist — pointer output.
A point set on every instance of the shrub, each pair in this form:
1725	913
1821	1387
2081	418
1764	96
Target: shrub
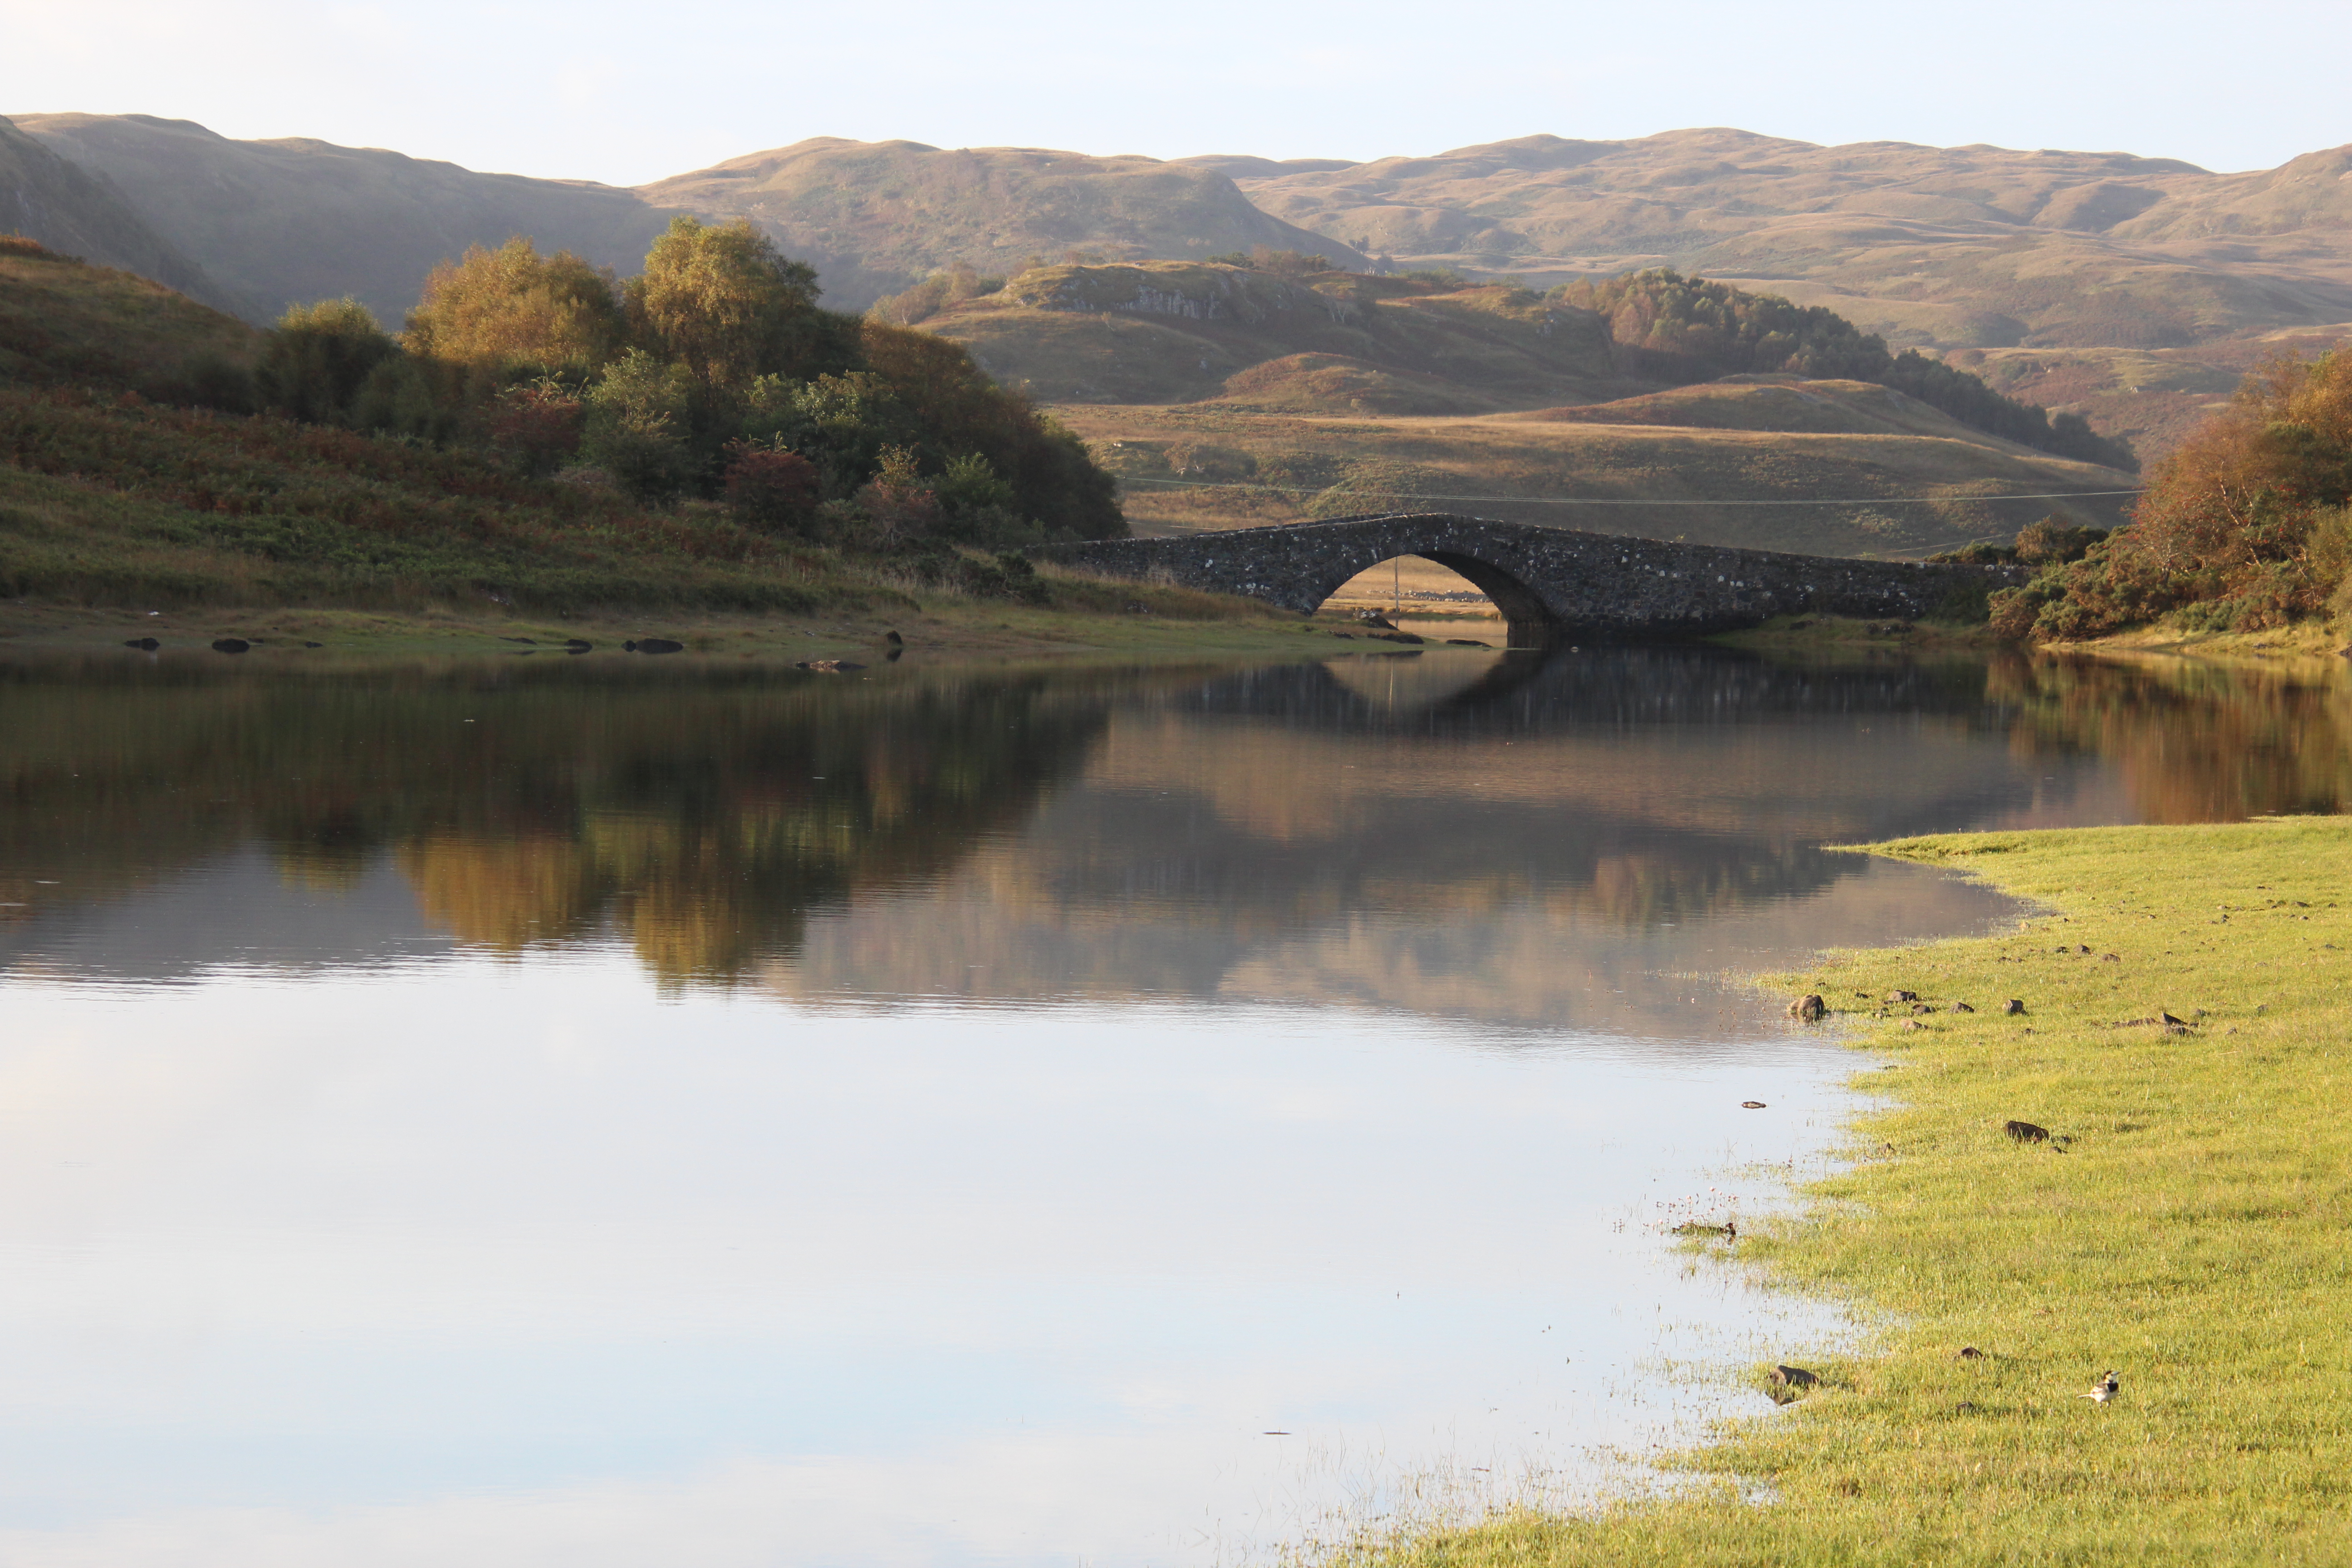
2054	541
1976	556
316	358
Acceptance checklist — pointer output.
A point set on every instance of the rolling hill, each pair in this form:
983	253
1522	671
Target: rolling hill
876	215
1168	332
282	222
2131	289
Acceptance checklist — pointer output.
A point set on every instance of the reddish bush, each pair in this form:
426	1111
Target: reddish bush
538	425
769	490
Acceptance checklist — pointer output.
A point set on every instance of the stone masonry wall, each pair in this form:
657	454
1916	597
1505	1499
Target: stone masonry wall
1543	579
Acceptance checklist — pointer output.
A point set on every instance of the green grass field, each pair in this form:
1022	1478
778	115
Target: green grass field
2187	1225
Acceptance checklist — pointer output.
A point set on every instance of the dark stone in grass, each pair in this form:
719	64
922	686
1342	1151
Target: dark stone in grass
1902	996
2011	1008
1811	1009
1970	1352
894	639
150	644
230	645
1793	1377
1962	1008
655	645
2026	1131
1965	1407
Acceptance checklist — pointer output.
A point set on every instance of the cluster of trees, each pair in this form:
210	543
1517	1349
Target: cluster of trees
1682	329
714	373
2247	524
933	294
1279	263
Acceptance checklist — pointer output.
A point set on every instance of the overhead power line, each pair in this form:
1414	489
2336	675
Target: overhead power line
1631	500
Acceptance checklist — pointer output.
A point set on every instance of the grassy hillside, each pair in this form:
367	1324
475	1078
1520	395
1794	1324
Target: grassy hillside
2085	262
1207	466
62	321
876	215
1168	332
119	488
1784	403
74	211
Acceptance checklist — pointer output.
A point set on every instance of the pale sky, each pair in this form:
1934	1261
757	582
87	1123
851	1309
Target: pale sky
628	93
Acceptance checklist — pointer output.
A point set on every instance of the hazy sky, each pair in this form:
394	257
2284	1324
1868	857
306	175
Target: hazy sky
628	93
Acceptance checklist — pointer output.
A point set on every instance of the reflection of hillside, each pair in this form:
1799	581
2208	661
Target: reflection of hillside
1516	859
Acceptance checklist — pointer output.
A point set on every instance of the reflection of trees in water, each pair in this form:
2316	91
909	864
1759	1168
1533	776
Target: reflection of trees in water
701	814
704	813
2195	743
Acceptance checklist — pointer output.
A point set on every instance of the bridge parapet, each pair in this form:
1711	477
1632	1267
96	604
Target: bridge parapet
1546	581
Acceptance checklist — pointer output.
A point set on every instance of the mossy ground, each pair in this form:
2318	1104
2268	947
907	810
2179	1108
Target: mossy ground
932	624
2187	1226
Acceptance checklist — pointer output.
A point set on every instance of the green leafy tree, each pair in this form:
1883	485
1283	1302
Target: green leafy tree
636	426
723	302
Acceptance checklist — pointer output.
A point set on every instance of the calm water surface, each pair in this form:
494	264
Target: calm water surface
603	1112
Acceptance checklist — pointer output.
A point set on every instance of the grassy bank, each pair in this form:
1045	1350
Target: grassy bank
2186	1224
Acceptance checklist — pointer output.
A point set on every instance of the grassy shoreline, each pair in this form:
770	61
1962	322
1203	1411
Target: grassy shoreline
2187	1225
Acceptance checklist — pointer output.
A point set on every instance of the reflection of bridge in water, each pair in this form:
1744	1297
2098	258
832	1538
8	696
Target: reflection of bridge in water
1546	581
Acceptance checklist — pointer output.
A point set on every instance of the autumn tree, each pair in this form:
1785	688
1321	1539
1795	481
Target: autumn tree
514	309
2244	523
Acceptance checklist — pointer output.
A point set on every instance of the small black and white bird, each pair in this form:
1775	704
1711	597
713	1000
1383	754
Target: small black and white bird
2103	1390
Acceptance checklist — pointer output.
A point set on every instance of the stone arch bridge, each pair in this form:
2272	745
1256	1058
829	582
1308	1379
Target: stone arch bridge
1548	581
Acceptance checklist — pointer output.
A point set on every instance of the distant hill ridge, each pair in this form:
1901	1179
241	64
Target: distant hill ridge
2133	289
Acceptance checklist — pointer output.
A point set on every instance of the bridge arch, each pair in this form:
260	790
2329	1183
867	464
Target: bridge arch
1520	605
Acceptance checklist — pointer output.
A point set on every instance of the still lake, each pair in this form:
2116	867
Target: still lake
609	1111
